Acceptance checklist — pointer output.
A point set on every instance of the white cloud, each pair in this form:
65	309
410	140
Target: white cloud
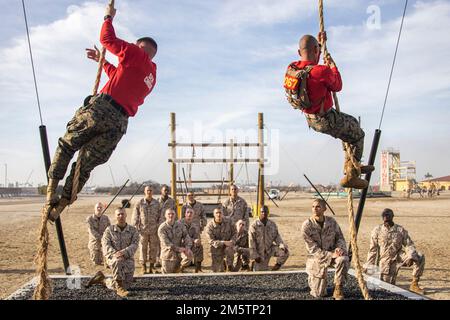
236	14
222	80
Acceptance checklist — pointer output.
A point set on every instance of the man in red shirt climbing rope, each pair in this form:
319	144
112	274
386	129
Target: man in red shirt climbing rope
308	87
100	123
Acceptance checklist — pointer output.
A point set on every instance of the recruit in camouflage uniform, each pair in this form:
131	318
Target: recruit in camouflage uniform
97	224
175	244
100	123
265	242
393	247
319	82
199	218
166	202
220	233
235	207
241	247
326	247
146	219
119	243
194	232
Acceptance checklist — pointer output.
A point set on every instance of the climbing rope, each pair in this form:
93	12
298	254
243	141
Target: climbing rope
353	233
81	153
325	50
356	166
354	243
43	289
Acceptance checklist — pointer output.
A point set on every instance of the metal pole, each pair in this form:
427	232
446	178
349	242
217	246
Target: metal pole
261	161
6	175
115	196
173	181
362	200
320	195
58	224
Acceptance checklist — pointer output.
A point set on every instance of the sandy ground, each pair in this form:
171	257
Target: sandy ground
427	220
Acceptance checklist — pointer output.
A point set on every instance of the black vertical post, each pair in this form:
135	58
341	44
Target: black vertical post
58	225
362	200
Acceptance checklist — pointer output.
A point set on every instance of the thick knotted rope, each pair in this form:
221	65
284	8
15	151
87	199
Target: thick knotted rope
76	177
325	50
43	289
349	155
354	243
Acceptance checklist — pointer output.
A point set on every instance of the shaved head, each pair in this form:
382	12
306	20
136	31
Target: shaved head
308	43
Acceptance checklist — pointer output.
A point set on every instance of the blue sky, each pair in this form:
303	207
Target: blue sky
219	64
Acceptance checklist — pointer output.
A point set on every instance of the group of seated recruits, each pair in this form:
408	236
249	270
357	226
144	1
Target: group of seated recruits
156	231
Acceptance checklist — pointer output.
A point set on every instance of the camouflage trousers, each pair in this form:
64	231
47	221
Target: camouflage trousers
218	255
418	264
173	266
280	254
95	251
197	251
148	247
340	126
241	257
122	270
317	279
98	127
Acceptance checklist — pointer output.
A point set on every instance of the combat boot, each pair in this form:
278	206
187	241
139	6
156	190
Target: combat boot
143	268
98	278
354	183
276	267
338	294
120	290
56	211
152	266
245	267
351	178
198	267
415	287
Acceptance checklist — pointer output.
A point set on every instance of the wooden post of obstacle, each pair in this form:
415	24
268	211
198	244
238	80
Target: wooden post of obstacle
261	163
231	164
173	181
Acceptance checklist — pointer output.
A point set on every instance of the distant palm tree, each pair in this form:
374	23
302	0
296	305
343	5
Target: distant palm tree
428	175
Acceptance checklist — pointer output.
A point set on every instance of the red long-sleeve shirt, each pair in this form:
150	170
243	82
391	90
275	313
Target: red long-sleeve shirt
135	75
321	82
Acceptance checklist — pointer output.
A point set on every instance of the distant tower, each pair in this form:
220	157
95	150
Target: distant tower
396	175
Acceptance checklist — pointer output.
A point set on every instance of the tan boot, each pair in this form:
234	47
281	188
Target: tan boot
354	183
415	287
351	178
99	278
56	211
182	268
198	267
120	290
338	294
152	267
245	267
143	268
276	267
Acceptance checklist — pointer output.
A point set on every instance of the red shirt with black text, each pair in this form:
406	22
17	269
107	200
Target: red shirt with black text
321	82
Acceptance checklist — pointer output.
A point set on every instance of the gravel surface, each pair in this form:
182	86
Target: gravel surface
287	286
